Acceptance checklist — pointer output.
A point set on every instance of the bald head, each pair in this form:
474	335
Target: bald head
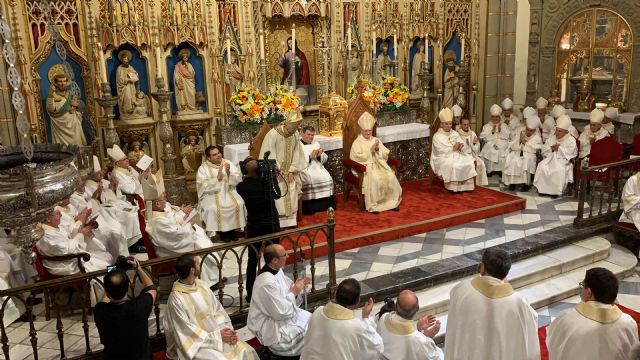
251	166
407	305
275	256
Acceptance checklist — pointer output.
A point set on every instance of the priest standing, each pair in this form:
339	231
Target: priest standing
596	328
495	135
219	205
196	325
592	133
380	187
472	147
317	184
283	142
488	319
522	159
275	317
448	160
555	171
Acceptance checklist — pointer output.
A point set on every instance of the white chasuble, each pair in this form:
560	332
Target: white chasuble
489	321
127	180
219	205
9	277
496	144
592	330
555	171
631	201
402	340
456	168
587	137
522	159
469	137
103	245
275	317
380	187
316	180
290	158
192	325
335	333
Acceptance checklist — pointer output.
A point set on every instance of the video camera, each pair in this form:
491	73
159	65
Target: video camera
120	264
268	172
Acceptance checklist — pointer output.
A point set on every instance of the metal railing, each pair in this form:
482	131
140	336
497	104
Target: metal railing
599	190
231	254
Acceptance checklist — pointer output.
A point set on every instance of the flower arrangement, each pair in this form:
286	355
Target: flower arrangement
371	93
280	102
389	95
250	107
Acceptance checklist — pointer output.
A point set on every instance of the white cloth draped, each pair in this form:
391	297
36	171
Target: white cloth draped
275	317
452	166
335	333
193	323
555	171
592	330
8	279
488	320
316	180
494	150
474	150
402	340
522	159
586	137
219	205
380	187
631	201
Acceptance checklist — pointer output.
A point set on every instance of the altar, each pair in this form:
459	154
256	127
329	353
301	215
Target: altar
406	142
626	124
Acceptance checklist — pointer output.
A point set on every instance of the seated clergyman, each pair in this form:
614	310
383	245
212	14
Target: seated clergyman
380	187
592	133
495	135
275	316
521	162
472	147
555	171
317	184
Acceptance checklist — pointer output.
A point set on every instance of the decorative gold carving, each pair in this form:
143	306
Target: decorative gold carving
333	109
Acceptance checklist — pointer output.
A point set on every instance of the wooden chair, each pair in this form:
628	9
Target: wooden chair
256	141
353	172
45	275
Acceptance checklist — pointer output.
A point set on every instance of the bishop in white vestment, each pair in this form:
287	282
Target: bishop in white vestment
596	328
558	111
283	142
488	320
508	117
631	201
380	186
555	171
522	159
219	205
472	147
275	316
495	135
196	325
10	276
127	177
610	115
317	184
548	123
448	160
592	133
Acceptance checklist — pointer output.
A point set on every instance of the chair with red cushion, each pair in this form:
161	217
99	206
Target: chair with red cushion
605	151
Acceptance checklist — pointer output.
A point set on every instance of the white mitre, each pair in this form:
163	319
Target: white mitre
563	122
507	104
596	116
457	110
115	153
495	110
366	121
541	103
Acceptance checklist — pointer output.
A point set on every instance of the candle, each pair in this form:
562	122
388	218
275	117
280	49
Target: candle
349	39
395	44
293	38
228	51
103	64
462	52
373	43
158	60
261	45
426	43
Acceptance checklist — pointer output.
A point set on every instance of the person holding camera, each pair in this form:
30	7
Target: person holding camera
123	322
262	215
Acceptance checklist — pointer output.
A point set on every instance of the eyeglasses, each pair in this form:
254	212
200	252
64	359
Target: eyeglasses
581	284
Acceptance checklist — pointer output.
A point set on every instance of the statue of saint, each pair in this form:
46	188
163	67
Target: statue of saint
451	85
233	75
132	103
355	66
66	120
184	83
135	153
416	68
286	62
384	64
192	155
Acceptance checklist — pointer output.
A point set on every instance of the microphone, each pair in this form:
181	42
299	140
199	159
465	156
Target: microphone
267	154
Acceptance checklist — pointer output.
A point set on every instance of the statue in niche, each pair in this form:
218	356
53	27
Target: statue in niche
191	153
132	103
384	64
416	68
233	74
62	106
184	83
355	66
136	152
287	61
451	83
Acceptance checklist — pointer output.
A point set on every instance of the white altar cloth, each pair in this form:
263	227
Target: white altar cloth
626	118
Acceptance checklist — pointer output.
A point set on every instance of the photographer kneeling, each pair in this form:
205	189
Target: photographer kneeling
123	323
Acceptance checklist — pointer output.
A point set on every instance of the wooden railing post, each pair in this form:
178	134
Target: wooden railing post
582	193
331	255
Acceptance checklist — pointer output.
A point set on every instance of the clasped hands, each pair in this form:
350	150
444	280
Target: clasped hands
226	168
229	336
458	146
298	286
315	153
82	217
555	147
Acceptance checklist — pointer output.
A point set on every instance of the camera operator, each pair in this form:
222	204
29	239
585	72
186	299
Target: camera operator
262	215
123	322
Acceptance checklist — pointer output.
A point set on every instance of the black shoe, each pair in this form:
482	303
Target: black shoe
25	318
512	187
137	249
396	209
375	212
218	286
247	299
526	188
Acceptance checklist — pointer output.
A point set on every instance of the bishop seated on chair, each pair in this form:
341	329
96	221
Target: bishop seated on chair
380	187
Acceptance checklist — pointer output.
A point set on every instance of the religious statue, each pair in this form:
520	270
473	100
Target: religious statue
554	99
192	154
184	81
584	101
132	103
355	66
416	68
451	82
384	64
62	106
286	62
136	152
233	74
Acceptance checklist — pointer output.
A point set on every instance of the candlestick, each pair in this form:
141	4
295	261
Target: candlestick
426	43
462	52
395	45
158	59
261	45
293	39
228	51
103	64
373	43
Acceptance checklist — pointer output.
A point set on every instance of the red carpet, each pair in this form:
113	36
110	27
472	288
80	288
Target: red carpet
423	209
542	332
